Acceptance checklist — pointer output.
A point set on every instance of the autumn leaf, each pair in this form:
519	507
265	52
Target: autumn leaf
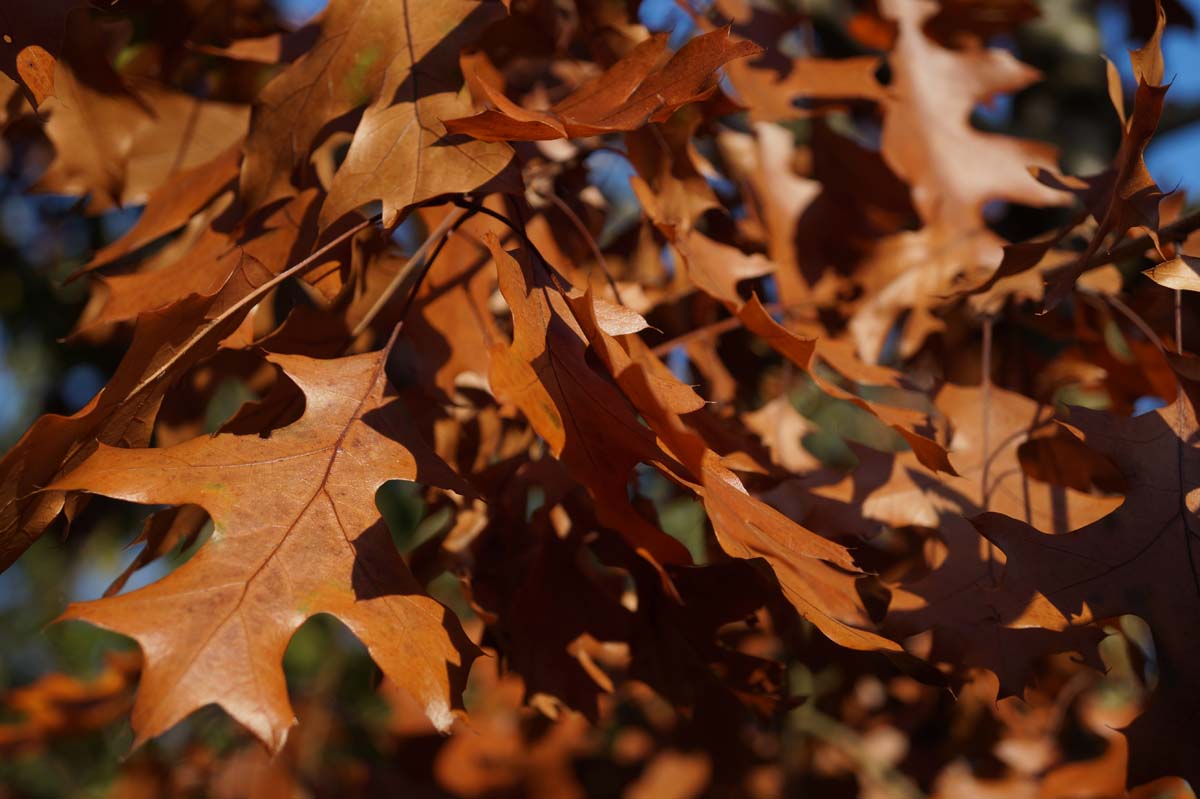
1137	560
781	198
800	351
296	533
817	575
407	76
539	595
710	332
1178	273
1122	197
584	419
776	86
115	140
953	170
163	531
222	266
991	429
627	96
33	34
716	269
166	343
171	205
927	136
59	705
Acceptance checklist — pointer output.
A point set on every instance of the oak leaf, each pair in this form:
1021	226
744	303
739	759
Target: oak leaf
583	417
780	197
818	576
771	83
116	139
987	438
953	170
541	597
801	351
927	136
296	534
32	39
399	58
171	205
449	331
402	152
220	265
630	94
1139	559
1122	197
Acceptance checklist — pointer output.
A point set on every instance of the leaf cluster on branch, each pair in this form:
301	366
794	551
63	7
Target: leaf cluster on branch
789	309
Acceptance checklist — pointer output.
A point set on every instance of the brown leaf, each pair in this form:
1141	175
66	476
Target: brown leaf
162	532
1178	273
817	575
771	83
985	446
781	428
800	351
449	332
296	533
959	18
1125	195
220	266
772	98
584	419
59	704
910	276
781	198
172	204
541	598
627	96
402	153
33	35
928	140
399	60
717	269
116	141
1136	560
671	187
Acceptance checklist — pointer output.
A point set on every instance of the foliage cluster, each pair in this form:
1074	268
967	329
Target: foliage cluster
771	421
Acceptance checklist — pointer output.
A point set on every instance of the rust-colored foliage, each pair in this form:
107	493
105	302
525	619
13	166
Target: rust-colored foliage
783	332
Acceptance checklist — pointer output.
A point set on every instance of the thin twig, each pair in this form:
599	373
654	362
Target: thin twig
985	388
591	242
1179	321
1136	318
449	221
1181	425
985	400
254	296
478	207
411	295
